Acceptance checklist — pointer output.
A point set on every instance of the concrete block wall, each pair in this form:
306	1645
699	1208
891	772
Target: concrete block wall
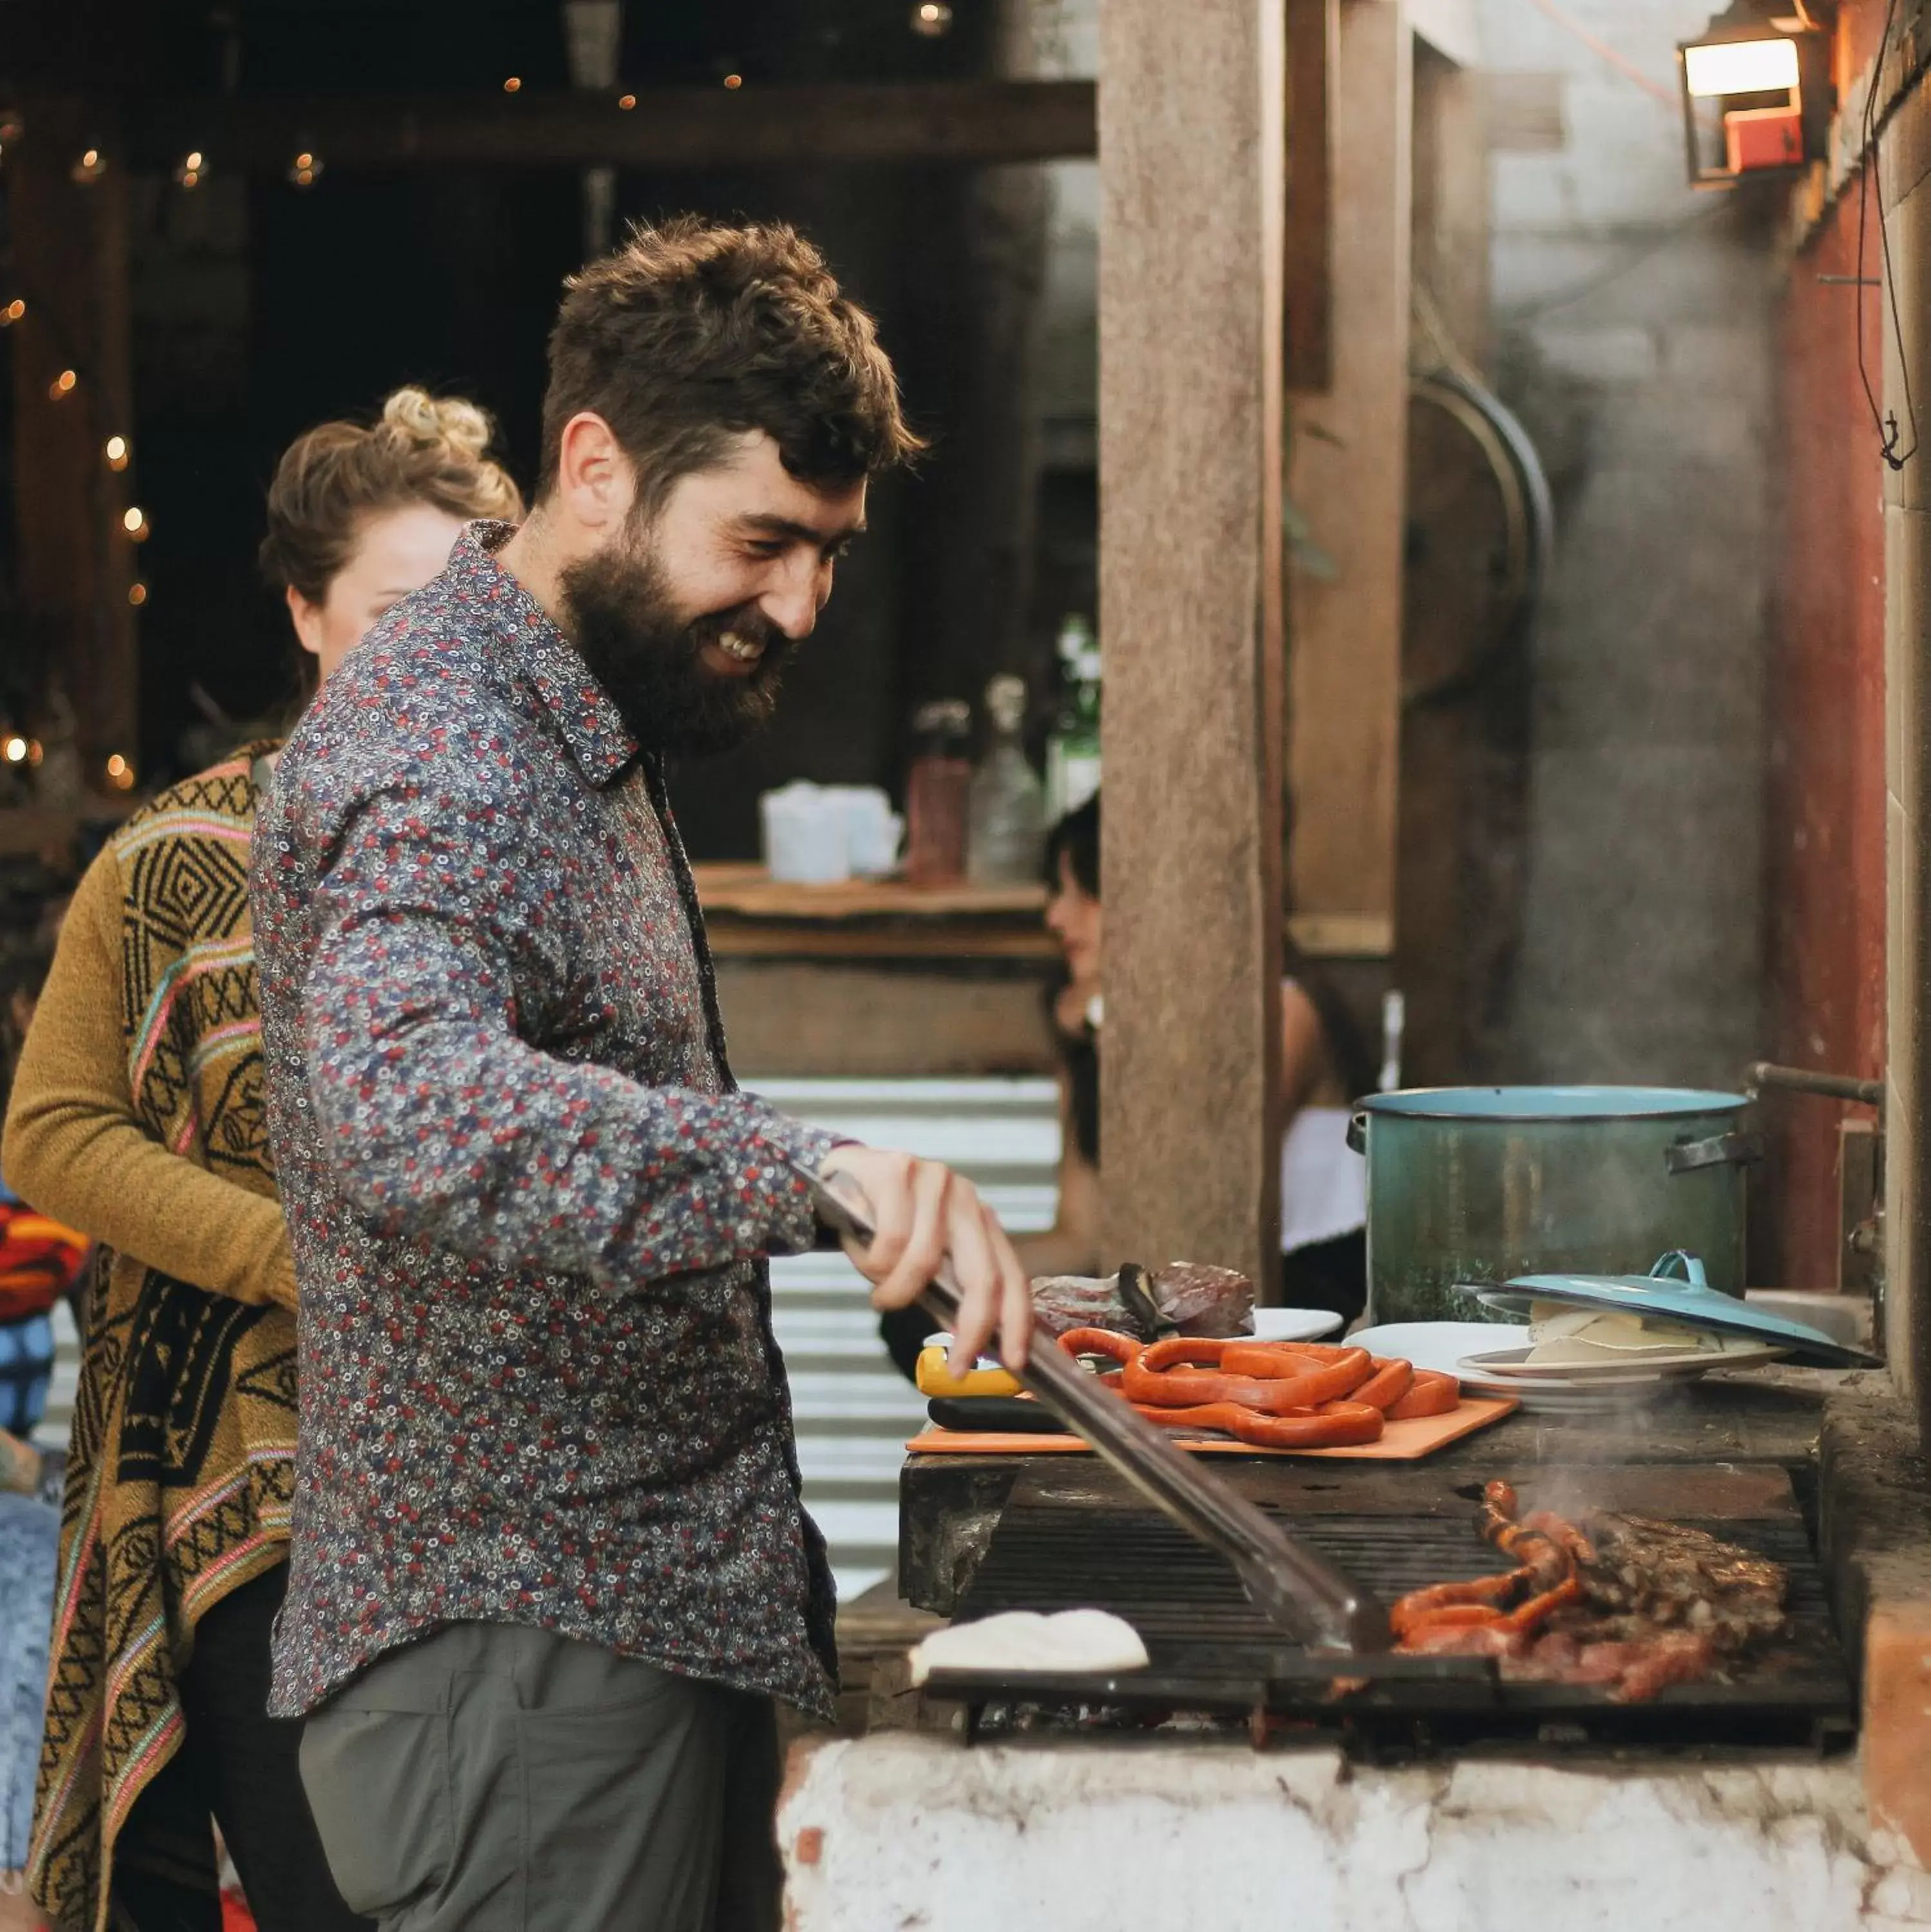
1634	325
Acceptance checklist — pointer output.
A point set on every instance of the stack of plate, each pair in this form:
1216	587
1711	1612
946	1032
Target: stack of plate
1595	1388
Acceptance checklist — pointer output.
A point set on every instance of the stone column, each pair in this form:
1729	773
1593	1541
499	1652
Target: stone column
1191	168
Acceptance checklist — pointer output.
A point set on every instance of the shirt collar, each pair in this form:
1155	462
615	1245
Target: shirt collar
585	712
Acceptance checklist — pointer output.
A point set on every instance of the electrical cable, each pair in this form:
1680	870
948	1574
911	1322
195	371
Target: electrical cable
1889	430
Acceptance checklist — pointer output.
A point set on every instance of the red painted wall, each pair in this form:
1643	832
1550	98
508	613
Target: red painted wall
1825	691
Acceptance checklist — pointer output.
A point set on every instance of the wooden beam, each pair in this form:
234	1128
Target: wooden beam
69	267
1192	163
668	130
1313	43
1348	477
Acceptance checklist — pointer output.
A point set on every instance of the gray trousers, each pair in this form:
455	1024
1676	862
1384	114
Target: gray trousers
499	1779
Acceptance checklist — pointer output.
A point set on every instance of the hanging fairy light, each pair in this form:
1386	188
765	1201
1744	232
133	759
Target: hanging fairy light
16	750
931	19
120	773
12	313
137	593
193	167
626	102
306	170
514	85
134	521
117	452
734	81
90	167
63	386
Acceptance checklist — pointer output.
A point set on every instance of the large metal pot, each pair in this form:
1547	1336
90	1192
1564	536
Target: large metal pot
1477	1184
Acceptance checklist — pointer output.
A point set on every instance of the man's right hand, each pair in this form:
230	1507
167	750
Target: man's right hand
923	1214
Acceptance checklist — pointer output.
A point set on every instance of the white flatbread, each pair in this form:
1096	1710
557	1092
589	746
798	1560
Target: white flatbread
1024	1640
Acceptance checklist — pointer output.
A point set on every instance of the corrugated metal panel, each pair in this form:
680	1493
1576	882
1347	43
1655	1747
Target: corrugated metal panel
854	1411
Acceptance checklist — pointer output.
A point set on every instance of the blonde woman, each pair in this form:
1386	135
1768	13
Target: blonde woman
137	1116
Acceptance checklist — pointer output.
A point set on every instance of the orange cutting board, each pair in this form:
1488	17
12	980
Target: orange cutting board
1400	1442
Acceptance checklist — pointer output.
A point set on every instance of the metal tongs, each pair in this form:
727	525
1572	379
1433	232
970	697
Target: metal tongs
1297	1587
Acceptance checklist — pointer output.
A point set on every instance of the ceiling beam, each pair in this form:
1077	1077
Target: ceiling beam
966	122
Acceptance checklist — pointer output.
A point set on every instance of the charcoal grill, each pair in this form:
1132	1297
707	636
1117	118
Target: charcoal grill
1213	1657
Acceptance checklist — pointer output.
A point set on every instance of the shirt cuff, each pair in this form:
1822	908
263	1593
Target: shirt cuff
794	1219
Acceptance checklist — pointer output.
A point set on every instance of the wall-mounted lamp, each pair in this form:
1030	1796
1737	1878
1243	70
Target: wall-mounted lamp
1757	95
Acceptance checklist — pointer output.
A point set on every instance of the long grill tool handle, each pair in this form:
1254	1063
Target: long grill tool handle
1312	1601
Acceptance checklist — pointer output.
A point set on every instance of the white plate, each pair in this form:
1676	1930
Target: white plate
1514	1365
1294	1324
1439	1345
1571	1398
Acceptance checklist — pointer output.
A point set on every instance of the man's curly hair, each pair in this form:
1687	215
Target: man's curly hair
694	333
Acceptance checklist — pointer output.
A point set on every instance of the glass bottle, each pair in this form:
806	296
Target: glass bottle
1008	809
938	788
1073	752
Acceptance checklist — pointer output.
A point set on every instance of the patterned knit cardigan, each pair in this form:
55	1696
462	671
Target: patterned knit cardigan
137	1116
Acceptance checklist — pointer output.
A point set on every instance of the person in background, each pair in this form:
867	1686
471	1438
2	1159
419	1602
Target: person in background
41	1262
137	1114
1324	1065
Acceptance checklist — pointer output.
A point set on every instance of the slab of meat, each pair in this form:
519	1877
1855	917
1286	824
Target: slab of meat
1198	1299
1627	1602
1671	1576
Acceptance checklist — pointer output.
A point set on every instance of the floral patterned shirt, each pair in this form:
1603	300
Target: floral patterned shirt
527	1203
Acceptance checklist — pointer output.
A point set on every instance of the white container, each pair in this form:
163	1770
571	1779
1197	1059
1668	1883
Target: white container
807	834
873	829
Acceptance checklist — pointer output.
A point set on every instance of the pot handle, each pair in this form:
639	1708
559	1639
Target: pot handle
1357	1130
1737	1149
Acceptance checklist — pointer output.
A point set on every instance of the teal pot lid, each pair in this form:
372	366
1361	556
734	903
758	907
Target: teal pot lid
1674	1290
1550	1103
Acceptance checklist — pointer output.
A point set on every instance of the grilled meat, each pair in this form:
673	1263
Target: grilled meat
1675	1577
1198	1299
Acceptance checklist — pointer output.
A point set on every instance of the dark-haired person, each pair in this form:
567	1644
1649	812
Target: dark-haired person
1324	1065
551	1568
136	1115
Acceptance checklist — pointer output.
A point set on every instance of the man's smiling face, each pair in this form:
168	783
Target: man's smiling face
688	618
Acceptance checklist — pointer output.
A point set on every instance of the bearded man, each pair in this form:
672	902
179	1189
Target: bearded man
550	1567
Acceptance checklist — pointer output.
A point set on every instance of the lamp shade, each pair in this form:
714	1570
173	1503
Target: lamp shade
1740	67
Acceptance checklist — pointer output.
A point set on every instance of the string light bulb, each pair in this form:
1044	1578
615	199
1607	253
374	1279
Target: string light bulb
11	128
626	102
36	752
193	166
62	386
120	773
134	521
137	593
15	749
734	81
306	170
932	18
91	166
12	313
117	452
514	85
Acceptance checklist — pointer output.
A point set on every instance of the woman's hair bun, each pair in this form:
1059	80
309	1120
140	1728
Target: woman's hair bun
448	423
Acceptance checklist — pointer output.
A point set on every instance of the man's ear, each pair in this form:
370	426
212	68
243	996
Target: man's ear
594	480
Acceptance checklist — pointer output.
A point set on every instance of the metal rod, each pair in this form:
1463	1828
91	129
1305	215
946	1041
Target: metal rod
1296	1586
1762	1073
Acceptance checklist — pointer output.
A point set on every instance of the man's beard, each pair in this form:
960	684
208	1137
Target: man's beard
627	629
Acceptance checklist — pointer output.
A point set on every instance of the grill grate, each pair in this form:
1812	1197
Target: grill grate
1211	1649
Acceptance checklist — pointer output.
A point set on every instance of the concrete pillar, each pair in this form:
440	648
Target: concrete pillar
1191	166
1906	174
